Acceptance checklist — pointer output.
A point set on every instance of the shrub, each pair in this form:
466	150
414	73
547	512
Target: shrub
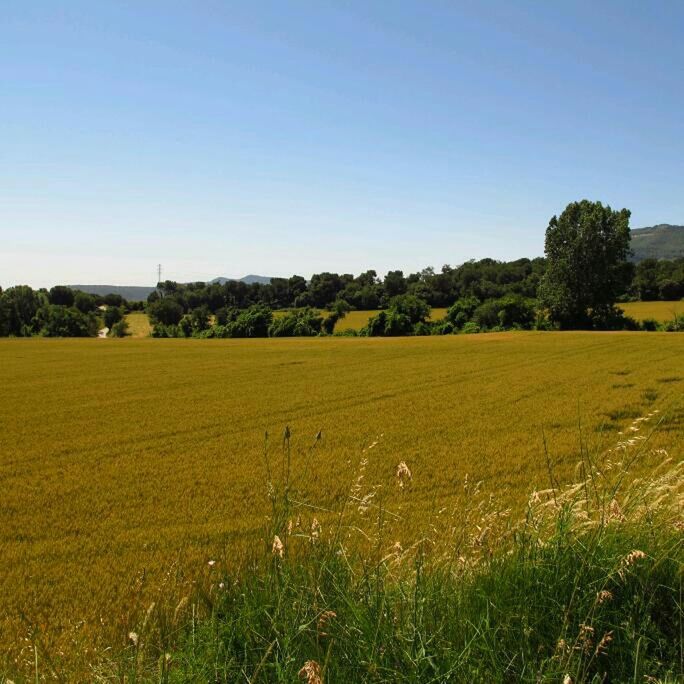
650	324
443	327
470	328
414	308
422	328
297	323
462	311
119	329
166	311
112	315
161	330
253	322
62	321
676	324
487	314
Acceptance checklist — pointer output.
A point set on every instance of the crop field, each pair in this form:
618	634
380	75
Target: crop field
355	320
128	464
660	311
138	324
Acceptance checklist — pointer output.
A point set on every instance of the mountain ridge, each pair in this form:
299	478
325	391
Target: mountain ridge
661	241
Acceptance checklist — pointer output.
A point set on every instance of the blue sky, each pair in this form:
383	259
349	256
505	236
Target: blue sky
226	138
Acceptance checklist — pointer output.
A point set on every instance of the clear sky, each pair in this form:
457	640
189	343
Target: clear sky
226	138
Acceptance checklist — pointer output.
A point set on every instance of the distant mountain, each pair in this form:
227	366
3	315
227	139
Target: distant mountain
136	293
249	279
132	293
663	241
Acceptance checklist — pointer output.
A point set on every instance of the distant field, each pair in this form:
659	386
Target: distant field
660	311
354	320
121	458
138	324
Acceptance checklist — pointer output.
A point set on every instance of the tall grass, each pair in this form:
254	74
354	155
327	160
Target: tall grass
586	586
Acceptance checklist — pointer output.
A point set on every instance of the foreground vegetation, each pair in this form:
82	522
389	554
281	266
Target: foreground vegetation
585	586
127	467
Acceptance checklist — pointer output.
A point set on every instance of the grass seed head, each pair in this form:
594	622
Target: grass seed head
311	672
277	549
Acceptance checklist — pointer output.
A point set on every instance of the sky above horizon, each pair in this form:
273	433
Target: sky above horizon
227	138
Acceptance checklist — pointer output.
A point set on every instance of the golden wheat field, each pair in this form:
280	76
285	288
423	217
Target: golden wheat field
126	463
138	324
660	311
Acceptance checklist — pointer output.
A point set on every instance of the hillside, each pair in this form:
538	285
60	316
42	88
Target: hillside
248	279
133	293
663	241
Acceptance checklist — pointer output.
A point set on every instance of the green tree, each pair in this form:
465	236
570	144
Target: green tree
20	305
111	316
414	308
586	251
61	294
54	320
165	311
84	302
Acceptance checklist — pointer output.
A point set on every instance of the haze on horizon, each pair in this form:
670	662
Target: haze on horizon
222	139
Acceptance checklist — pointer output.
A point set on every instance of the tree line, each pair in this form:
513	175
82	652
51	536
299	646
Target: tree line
61	312
585	272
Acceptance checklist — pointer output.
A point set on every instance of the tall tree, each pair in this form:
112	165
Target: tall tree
586	251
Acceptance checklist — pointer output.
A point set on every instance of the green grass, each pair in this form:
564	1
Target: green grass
586	585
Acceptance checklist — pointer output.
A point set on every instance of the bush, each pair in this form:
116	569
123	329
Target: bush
253	322
650	324
297	323
402	317
165	311
487	314
161	330
347	332
443	327
421	328
111	316
119	329
470	328
414	308
462	311
676	324
62	321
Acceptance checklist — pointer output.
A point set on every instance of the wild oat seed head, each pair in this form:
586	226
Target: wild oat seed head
602	647
603	596
311	672
403	474
277	549
315	530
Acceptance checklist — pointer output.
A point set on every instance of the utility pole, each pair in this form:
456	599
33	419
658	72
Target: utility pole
158	273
